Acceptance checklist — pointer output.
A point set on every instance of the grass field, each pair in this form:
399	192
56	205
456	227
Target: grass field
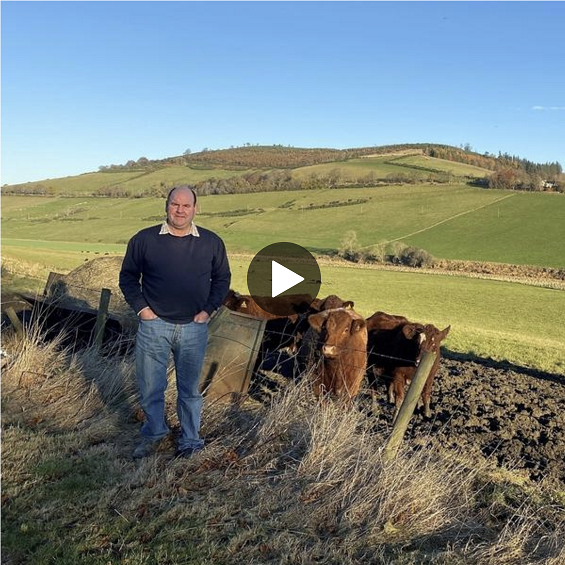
457	169
384	165
134	181
511	230
449	221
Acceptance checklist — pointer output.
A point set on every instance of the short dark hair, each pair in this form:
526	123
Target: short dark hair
180	186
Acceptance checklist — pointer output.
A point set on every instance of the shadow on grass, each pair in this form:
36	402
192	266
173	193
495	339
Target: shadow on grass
503	366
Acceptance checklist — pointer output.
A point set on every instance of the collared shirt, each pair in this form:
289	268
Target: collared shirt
165	230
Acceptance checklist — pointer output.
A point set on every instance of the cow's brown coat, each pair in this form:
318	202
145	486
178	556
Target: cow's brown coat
340	346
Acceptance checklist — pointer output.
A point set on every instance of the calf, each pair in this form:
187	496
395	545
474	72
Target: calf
337	344
395	347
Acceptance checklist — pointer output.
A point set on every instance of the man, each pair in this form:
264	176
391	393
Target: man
174	276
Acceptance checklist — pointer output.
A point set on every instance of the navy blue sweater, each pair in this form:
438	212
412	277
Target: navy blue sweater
177	277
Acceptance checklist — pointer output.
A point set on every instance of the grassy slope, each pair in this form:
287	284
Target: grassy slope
175	175
510	231
138	181
449	221
384	165
458	169
135	181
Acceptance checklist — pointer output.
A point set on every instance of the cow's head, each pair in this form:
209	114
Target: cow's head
330	302
414	339
231	299
434	337
336	328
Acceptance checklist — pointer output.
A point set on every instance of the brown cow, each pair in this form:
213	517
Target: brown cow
298	303
337	342
395	347
231	299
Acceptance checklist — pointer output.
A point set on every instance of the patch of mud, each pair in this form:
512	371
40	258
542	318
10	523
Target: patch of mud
516	416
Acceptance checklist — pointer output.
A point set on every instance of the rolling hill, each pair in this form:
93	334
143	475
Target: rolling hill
345	167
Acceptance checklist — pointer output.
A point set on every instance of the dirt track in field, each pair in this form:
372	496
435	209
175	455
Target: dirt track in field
514	415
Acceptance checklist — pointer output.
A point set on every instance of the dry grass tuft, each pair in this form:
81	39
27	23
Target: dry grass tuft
292	480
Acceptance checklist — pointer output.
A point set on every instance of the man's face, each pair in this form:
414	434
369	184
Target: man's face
181	209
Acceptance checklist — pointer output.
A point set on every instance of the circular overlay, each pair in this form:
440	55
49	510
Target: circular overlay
274	279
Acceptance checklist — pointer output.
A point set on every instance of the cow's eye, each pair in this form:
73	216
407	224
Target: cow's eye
345	330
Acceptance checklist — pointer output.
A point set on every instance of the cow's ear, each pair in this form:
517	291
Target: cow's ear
349	304
410	330
358	325
316	321
444	332
315	305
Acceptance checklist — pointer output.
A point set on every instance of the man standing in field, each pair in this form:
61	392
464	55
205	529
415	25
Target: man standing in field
174	276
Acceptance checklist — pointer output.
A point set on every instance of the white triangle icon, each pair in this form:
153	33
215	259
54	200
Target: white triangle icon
282	279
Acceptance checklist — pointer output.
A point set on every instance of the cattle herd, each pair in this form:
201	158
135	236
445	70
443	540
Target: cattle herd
337	348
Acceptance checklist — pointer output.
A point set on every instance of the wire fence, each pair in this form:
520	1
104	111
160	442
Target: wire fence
59	292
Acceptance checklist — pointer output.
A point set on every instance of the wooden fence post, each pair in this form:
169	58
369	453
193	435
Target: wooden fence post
15	321
409	405
101	317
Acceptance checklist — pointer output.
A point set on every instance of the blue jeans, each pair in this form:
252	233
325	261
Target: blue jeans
155	341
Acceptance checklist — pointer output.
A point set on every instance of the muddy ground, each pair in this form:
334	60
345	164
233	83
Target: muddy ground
513	415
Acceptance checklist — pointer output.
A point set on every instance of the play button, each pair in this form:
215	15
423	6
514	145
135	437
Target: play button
284	278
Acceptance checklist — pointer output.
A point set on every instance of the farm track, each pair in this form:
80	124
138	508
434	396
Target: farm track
514	415
444	221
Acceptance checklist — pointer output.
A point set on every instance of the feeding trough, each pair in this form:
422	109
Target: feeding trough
234	340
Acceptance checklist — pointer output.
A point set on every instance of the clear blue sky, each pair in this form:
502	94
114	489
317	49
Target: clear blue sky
86	84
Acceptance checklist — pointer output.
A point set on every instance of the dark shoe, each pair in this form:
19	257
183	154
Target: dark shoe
187	452
146	448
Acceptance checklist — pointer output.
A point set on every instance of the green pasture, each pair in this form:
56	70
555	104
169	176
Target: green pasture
352	169
171	176
83	184
135	181
450	221
384	165
457	169
527	228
